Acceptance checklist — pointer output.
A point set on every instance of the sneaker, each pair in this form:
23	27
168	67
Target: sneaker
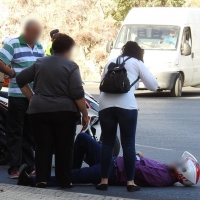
14	175
24	178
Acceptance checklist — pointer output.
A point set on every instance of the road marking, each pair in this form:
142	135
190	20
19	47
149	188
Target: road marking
153	147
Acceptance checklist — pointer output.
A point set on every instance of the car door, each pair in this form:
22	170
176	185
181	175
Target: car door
187	64
196	56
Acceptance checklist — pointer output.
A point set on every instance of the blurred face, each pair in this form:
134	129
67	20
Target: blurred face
32	32
172	34
69	54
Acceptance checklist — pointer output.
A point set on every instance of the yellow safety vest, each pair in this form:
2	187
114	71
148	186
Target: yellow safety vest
48	49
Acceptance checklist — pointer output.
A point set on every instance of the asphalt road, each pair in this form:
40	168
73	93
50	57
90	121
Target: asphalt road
166	128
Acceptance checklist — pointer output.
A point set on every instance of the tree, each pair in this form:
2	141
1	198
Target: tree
122	7
84	20
192	3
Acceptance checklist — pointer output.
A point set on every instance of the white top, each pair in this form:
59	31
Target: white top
127	100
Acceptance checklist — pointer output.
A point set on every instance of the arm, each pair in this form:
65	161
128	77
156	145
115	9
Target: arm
26	90
7	70
82	107
77	93
147	78
6	55
23	78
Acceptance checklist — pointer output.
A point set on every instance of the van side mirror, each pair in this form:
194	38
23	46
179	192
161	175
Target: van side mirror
109	46
186	49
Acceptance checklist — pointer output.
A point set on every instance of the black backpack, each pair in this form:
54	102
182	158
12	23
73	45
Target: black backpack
116	80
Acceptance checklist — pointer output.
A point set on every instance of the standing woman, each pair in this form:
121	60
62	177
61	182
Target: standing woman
54	107
122	109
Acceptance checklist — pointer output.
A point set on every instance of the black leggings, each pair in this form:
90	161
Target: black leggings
54	130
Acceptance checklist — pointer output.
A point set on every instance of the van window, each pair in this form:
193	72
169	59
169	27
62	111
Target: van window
186	38
149	36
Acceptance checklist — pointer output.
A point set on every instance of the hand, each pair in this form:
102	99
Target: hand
85	122
6	76
12	74
140	154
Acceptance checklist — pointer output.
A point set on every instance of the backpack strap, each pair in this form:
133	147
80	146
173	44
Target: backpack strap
138	78
127	59
118	60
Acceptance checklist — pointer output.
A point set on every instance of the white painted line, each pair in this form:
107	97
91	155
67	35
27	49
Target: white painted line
153	147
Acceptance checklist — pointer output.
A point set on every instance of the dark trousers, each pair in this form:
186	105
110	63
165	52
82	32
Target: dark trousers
19	135
54	130
88	148
109	120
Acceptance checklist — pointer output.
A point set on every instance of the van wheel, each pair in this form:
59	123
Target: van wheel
176	91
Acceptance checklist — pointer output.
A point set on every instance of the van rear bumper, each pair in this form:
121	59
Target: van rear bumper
165	80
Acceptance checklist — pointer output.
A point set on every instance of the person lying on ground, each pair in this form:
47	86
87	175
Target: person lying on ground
148	172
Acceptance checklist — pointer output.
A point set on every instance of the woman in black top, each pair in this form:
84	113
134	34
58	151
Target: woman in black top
55	105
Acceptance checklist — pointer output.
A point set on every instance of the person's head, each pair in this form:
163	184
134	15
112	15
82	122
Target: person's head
186	170
132	49
172	33
32	31
53	34
63	45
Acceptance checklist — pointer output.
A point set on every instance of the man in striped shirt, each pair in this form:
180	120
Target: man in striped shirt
20	53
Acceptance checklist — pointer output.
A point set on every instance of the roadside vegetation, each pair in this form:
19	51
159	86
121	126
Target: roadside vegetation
90	22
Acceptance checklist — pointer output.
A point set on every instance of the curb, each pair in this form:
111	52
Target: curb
12	192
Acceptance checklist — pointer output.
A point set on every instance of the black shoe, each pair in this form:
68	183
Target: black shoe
40	185
133	188
24	178
66	186
102	187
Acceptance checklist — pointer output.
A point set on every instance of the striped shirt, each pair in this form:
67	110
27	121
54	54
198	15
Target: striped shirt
19	55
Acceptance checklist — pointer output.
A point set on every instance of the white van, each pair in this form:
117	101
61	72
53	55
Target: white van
171	40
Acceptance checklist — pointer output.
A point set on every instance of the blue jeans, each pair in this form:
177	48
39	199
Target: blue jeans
127	120
88	148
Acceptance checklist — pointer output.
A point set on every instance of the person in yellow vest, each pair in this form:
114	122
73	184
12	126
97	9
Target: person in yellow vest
48	50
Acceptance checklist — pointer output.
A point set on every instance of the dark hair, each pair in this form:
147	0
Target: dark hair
62	43
53	32
172	31
132	49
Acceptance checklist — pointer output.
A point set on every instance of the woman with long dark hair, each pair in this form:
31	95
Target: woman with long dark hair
122	110
55	105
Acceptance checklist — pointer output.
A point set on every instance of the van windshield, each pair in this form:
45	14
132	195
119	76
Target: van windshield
151	37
